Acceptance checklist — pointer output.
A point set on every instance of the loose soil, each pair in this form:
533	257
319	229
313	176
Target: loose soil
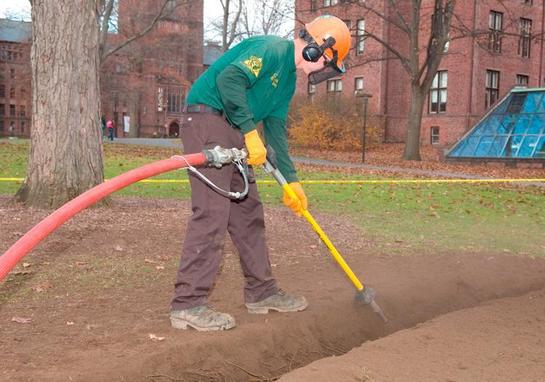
91	304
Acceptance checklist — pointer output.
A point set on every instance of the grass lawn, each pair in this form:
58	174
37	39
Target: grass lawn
439	216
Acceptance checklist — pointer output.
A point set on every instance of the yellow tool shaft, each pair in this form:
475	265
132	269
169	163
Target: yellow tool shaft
336	255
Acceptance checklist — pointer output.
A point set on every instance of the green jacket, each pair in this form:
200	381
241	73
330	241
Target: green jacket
254	81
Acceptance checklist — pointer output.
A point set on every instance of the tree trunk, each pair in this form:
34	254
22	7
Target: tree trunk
412	142
65	156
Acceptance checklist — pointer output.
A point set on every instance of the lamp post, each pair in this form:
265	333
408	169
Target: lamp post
359	93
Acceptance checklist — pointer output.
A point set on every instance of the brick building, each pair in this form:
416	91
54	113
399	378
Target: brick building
15	38
505	50
143	85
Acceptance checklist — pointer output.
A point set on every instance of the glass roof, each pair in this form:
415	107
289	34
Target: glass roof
514	128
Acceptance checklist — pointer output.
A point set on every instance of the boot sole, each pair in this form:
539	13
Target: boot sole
183	325
266	309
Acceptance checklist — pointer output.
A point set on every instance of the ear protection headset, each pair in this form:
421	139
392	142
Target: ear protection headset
312	52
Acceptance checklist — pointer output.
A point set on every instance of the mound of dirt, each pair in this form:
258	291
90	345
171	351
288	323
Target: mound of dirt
91	304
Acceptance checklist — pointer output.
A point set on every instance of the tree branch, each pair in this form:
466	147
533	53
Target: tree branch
404	60
143	32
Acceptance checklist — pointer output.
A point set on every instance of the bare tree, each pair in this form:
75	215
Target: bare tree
268	17
227	28
65	157
420	62
69	42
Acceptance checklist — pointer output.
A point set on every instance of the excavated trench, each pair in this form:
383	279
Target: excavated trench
266	350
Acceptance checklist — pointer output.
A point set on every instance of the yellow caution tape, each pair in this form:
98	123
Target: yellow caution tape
362	181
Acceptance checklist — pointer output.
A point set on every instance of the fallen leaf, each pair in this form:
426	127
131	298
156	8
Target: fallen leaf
21	273
26	265
118	248
21	320
153	337
41	287
149	261
159	267
69	323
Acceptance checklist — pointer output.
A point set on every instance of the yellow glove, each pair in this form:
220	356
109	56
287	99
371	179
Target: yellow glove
256	151
297	205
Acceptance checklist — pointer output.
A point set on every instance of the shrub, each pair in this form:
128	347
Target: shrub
330	123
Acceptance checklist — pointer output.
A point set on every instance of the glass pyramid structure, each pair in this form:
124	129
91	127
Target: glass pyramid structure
513	129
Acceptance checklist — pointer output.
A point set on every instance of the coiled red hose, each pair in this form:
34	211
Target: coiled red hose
27	242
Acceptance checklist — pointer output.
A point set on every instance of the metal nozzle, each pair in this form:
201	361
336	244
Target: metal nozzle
378	311
218	156
367	296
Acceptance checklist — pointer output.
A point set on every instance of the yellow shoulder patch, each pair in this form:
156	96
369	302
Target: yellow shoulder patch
255	64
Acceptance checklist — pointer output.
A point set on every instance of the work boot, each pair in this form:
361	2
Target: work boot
281	302
201	318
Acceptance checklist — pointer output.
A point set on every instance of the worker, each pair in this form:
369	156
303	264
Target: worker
252	82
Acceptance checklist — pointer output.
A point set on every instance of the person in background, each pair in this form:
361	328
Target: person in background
252	82
110	128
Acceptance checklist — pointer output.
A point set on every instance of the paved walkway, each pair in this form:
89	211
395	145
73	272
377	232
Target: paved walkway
177	143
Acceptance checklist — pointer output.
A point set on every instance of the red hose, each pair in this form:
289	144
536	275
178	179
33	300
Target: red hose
26	243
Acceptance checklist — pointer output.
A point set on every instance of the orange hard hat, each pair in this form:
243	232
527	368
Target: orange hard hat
325	26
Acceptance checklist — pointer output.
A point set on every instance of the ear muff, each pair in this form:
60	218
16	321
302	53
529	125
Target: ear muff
313	52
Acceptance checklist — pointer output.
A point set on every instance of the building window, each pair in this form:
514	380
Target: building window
527	2
2	91
2	110
334	86
495	26
358	84
434	135
330	3
12	74
525	37
311	92
492	87
1	125
22	110
438	93
12	110
12	93
360	39
175	100
23	127
522	80
313	5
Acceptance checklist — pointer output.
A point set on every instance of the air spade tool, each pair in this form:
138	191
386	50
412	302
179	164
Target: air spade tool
363	293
